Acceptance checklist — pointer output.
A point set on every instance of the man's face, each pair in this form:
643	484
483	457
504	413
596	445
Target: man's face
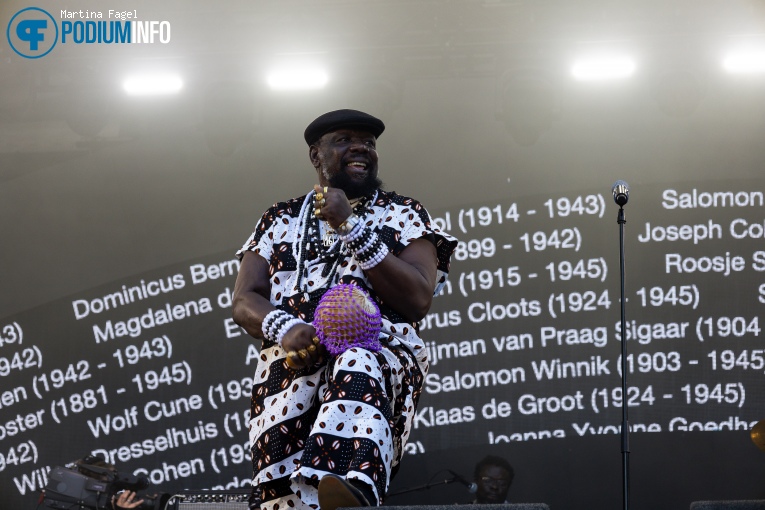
347	159
493	484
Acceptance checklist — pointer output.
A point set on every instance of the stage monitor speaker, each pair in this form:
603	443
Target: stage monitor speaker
236	499
751	504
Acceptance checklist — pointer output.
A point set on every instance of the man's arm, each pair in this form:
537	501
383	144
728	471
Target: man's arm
251	304
406	283
252	290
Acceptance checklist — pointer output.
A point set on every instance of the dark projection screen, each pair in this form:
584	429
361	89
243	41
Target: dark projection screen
120	217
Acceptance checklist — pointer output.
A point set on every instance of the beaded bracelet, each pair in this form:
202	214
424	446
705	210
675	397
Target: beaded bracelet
278	324
362	239
268	321
369	246
378	257
286	327
272	322
354	234
362	255
366	246
373	256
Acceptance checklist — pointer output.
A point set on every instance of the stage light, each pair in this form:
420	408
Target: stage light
297	78
745	61
152	84
602	68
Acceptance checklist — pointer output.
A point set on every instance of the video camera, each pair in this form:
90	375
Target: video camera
86	484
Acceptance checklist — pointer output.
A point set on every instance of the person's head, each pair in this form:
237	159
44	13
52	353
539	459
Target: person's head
342	146
493	475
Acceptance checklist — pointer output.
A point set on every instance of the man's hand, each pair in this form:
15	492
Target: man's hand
332	204
303	347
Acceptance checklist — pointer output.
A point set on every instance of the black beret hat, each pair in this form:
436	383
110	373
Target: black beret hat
339	119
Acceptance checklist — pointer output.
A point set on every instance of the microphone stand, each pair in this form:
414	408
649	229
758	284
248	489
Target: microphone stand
421	487
625	422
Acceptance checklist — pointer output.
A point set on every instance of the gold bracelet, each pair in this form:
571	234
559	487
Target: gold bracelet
346	226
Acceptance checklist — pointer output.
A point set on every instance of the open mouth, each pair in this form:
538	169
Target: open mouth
357	168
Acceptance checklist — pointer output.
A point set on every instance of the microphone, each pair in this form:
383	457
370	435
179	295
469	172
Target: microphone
471	487
621	192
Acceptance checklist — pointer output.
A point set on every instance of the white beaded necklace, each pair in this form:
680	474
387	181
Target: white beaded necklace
329	248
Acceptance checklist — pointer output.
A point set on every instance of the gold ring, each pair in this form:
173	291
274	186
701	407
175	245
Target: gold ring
291	362
303	353
317	212
322	202
319	196
316	340
325	189
311	348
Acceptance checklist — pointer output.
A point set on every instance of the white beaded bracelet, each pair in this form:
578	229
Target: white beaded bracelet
376	259
278	323
354	234
270	321
368	245
286	327
267	321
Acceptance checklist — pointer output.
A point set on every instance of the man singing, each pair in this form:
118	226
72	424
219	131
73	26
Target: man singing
330	431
